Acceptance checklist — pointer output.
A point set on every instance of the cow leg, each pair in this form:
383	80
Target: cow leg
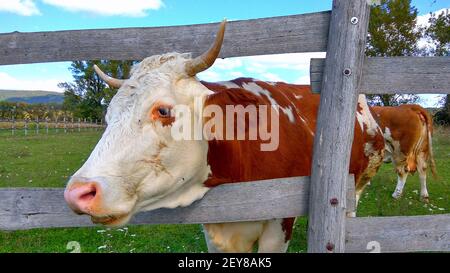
212	248
274	239
401	181
422	170
232	237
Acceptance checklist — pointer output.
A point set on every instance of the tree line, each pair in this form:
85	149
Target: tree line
392	31
25	111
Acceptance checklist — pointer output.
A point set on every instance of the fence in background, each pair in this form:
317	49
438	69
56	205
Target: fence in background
46	126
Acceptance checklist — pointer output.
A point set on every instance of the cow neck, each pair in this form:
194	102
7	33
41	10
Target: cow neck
234	161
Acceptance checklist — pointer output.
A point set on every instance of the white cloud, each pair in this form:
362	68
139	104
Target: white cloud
227	64
132	8
210	76
9	82
422	20
295	61
303	80
21	7
271	77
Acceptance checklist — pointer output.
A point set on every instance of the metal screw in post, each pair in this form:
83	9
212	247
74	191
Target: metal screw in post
347	72
354	20
334	201
330	247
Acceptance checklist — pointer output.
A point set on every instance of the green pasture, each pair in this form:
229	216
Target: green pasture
48	160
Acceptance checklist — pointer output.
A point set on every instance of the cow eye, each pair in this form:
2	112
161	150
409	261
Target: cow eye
164	111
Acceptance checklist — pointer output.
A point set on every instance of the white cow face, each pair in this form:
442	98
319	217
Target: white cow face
137	164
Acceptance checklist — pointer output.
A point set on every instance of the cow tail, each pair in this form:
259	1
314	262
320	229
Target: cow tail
429	122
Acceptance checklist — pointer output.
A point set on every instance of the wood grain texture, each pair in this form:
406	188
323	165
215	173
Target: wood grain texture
26	208
335	123
275	35
399	234
395	75
351	195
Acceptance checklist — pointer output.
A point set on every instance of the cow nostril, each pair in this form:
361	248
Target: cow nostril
89	195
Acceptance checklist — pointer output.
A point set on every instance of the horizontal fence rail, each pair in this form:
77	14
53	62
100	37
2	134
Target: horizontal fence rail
398	234
276	35
26	208
395	75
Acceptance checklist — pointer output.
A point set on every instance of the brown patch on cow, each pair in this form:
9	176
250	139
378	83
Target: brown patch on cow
287	225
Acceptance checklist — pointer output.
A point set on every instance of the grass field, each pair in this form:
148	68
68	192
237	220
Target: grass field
48	160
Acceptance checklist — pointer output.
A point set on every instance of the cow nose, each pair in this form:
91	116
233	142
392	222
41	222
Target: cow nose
81	196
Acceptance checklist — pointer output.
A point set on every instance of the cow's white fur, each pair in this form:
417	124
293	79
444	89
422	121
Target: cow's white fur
365	117
137	163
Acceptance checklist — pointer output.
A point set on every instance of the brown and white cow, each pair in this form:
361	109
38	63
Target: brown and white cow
138	165
408	133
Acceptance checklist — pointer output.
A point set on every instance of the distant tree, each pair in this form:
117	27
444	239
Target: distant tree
21	110
438	33
393	32
88	95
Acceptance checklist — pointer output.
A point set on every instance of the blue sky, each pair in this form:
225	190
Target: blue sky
49	15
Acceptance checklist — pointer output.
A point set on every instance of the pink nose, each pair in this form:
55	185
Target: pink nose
82	197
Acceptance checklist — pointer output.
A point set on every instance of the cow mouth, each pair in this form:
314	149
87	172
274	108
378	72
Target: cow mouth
111	220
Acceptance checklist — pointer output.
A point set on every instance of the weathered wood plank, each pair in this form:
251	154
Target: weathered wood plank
395	75
351	197
26	208
335	123
285	34
398	234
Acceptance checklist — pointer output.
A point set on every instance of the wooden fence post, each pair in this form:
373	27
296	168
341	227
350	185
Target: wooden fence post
13	125
335	125
26	126
65	125
37	126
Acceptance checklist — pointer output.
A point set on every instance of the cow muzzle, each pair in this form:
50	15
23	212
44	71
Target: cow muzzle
86	196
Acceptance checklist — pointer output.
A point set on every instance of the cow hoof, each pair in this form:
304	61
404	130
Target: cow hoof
396	195
425	199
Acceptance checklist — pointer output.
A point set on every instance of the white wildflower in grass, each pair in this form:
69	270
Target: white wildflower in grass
101	247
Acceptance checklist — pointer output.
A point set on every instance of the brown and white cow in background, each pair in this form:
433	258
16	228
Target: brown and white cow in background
138	165
408	133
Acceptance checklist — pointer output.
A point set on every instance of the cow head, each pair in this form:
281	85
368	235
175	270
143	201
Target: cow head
137	164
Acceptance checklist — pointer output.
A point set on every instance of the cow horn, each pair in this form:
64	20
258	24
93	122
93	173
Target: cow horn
112	82
206	60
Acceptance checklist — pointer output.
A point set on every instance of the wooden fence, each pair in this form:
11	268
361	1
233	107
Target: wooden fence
47	125
339	78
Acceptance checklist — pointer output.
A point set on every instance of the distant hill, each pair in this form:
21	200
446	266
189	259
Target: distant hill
31	97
